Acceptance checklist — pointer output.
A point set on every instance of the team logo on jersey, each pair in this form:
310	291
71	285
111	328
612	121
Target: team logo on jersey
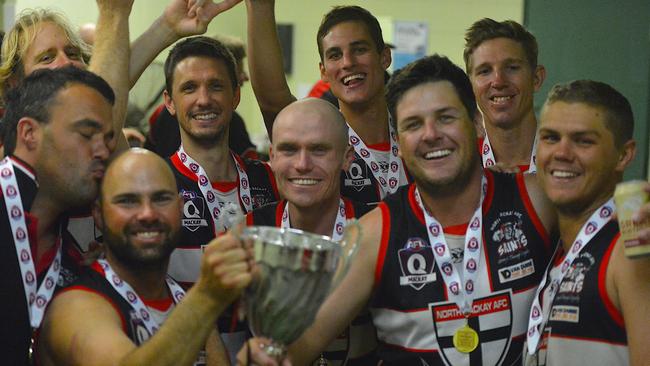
374	166
194	167
357	176
491	318
508	235
489	162
469	286
203	180
21	235
605	212
41	301
591	227
11	191
364	153
472	245
486	149
193	211
417	264
16	213
573	282
24	255
471	266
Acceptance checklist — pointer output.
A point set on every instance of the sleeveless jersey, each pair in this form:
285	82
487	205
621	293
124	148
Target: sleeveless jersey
414	318
359	184
198	229
16	331
357	344
197	224
584	327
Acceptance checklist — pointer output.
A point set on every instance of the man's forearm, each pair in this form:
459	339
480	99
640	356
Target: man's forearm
265	61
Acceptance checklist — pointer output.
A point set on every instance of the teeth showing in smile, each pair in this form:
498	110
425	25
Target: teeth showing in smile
437	154
563	174
205	116
147	234
347	79
501	99
304	181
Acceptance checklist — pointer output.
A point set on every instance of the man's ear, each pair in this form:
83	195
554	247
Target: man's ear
386	57
28	133
169	103
348	157
539	76
626	155
323	76
478	125
97	214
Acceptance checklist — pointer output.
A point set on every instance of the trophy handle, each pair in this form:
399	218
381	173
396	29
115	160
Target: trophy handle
349	249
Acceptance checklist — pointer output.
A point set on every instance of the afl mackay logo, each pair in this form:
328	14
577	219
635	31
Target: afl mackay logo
193	210
416	263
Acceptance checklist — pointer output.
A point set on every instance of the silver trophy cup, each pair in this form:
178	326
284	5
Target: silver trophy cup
297	271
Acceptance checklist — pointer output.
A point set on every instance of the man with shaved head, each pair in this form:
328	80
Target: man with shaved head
308	152
127	296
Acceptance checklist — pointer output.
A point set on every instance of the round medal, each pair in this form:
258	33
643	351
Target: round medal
465	339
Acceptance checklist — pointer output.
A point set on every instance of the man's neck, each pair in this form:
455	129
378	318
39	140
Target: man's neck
454	206
369	121
317	220
216	160
513	145
148	282
48	214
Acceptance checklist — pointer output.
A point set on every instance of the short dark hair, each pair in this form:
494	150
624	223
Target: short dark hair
619	118
429	69
487	29
340	14
199	47
34	96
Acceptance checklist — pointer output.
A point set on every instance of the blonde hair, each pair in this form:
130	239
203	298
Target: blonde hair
22	35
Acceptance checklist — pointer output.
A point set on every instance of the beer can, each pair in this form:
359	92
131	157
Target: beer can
629	197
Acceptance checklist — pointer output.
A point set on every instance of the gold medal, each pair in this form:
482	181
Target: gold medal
465	339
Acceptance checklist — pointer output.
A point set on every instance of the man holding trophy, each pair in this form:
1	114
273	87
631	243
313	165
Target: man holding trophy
437	294
309	149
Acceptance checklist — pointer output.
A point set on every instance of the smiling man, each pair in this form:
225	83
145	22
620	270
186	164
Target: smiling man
501	61
139	315
353	59
309	150
592	308
448	265
202	90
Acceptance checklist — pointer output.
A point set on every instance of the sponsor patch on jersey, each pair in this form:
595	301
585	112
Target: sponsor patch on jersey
491	318
565	313
507	233
417	263
516	271
193	211
357	176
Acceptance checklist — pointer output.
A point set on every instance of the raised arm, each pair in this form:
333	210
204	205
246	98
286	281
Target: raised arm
68	339
265	61
181	18
340	307
110	58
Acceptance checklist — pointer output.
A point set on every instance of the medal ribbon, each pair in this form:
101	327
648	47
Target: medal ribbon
462	296
211	196
126	291
488	155
339	224
539	315
37	298
388	182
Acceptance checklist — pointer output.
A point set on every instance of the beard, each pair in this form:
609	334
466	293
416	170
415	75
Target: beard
137	257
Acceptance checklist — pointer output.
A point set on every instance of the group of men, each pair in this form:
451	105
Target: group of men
458	265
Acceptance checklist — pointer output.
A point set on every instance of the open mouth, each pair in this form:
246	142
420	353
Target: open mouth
353	79
501	99
204	116
437	154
